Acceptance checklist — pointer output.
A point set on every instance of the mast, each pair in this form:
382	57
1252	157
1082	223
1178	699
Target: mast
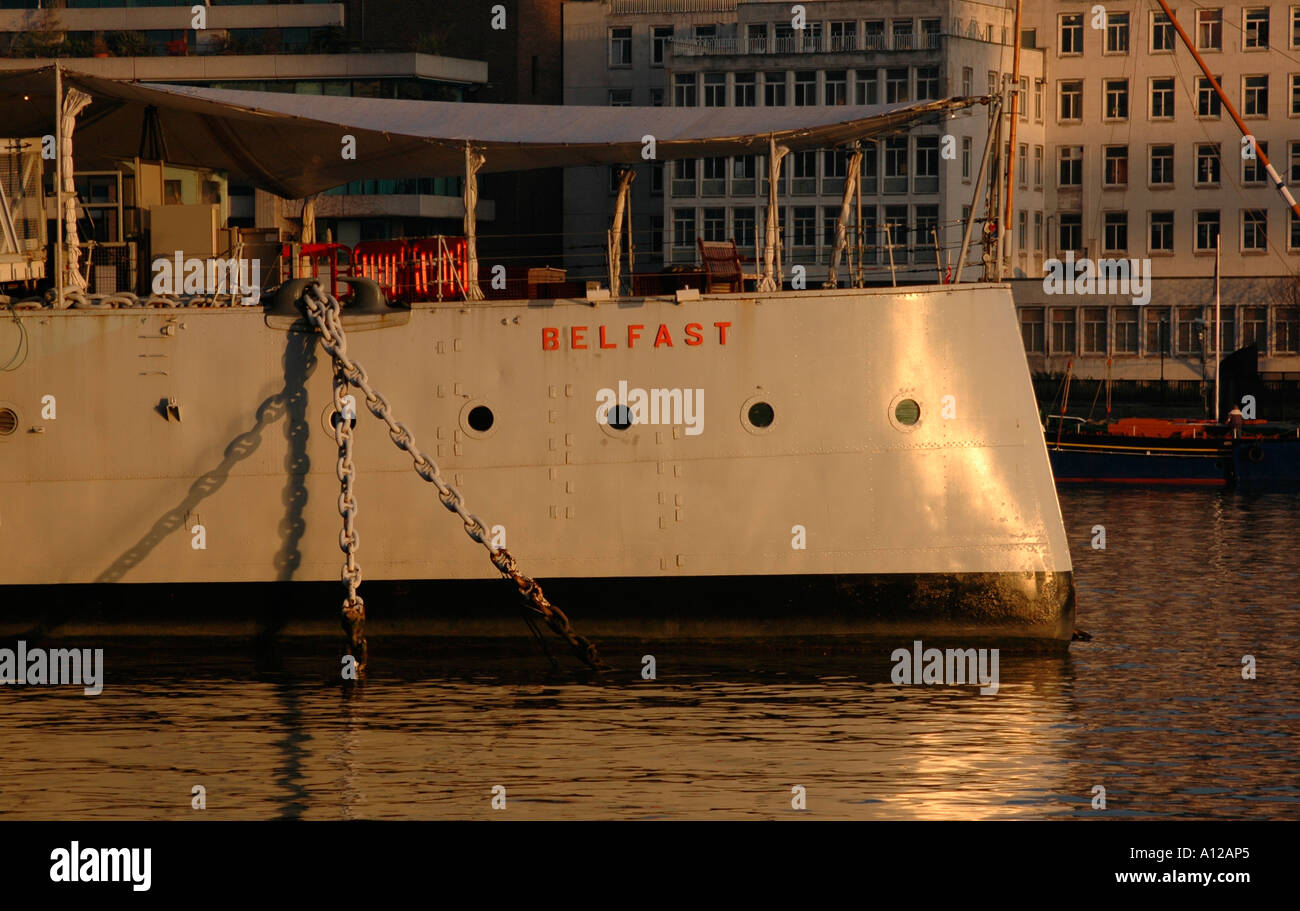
58	183
1218	333
1004	236
1278	183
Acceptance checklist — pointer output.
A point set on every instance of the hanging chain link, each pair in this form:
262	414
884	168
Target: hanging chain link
354	608
324	312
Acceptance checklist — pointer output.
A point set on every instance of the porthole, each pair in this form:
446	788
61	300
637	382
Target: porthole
328	416
8	421
907	412
478	419
620	417
758	413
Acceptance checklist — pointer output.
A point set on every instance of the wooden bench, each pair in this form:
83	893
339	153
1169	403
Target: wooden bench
722	266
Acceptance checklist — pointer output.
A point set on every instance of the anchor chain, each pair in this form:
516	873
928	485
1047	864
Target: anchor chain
354	608
324	312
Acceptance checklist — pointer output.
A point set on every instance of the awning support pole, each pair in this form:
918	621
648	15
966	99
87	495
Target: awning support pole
846	206
473	161
615	250
776	153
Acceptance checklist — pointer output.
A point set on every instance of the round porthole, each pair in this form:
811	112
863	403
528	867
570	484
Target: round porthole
8	421
329	415
620	417
758	414
478	420
907	412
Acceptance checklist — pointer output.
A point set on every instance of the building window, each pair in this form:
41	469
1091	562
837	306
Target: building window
805	173
1207	230
1022	230
1031	329
657	179
1162	232
1254	327
1038	100
869	234
870	168
746	90
1254	96
1209	29
873	35
1294	240
1126	330
660	35
1071	34
805	88
1254	32
896	85
965	157
1070	231
1162	34
684	90
1116	166
930	34
1070	173
684	177
1115	236
1162	166
837	87
1187	332
1295	94
1071	103
1116	99
715	90
1063	330
1094	330
774	90
620	98
713	224
1022	97
756	37
866	87
994	82
656	98
1295	26
1038	167
895	235
927	82
844	36
1022	164
902	31
1162	99
714	182
1157	335
927	165
1254	230
835	168
684	228
1208	164
1207	99
1227	329
1295	162
967	81
743	182
1117	33
620	47
1252	169
1286	330
742	221
896	165
927	223
1038	231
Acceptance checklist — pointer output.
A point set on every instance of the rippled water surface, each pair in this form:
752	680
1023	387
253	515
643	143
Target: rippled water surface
1154	709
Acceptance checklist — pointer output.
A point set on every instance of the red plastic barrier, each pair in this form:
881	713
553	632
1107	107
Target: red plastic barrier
439	268
386	262
317	260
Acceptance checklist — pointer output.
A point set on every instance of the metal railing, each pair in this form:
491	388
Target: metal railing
805	44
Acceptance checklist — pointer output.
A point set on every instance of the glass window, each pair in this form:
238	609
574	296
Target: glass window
1208	164
1072	33
1071	104
714	182
1187	330
743	172
746	90
1162	166
1094	330
713	224
1115	235
896	85
805	88
1252	169
1063	330
1207	99
1162	34
1254	96
927	165
1117	33
1207	230
683	177
1162	99
774	89
805	226
1209	29
1070	231
844	36
1254	327
927	222
805	173
837	87
756	36
1157	333
1116	97
896	170
927	82
1031	329
620	46
1162	232
660	35
683	227
965	157
1286	330
1126	330
866	87
1070	173
895	232
742	221
1254	230
1254	33
715	90
1116	162
870	168
684	90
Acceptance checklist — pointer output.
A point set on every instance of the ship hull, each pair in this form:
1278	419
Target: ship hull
853	462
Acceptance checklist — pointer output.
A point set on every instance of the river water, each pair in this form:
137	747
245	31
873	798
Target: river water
1154	709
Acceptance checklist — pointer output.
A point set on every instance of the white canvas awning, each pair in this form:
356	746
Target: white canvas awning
292	144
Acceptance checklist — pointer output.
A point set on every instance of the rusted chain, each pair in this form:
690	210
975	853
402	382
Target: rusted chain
324	312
